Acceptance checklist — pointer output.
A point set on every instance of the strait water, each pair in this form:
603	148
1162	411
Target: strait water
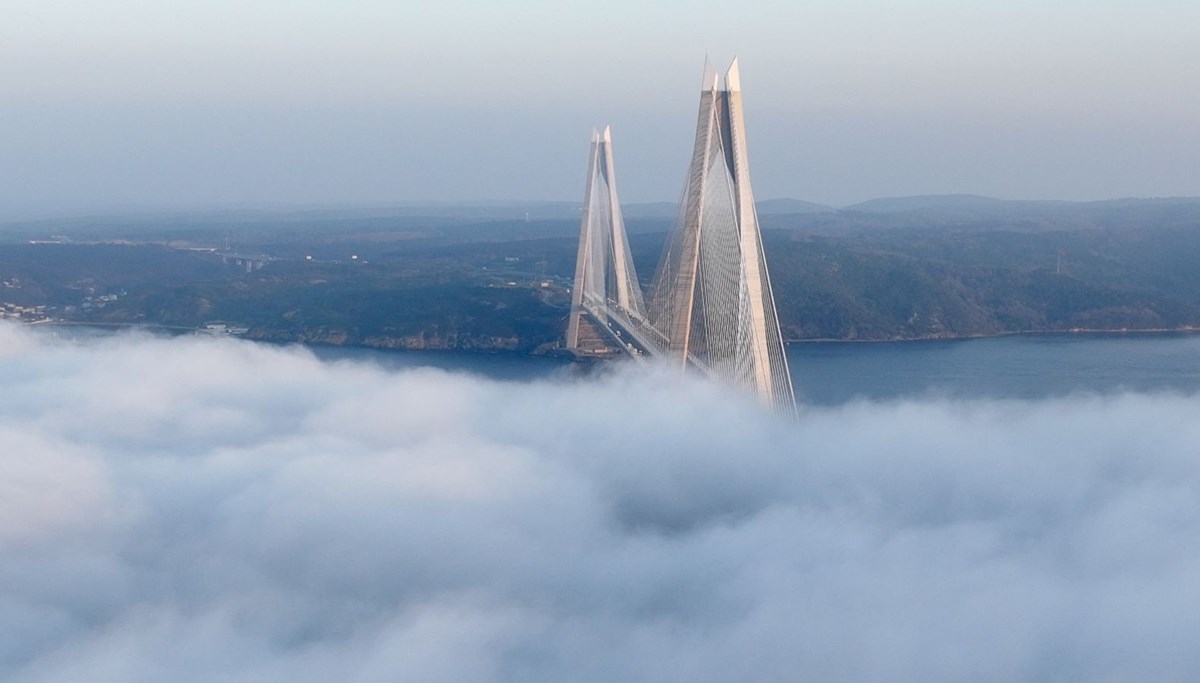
834	373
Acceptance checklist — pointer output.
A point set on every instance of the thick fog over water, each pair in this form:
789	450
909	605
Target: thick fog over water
196	509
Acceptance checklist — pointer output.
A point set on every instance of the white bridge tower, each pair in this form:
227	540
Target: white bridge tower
605	281
711	305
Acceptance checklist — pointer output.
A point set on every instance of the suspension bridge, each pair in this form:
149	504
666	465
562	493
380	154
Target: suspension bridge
709	306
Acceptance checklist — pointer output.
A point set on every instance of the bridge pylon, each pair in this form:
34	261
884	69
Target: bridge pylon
712	298
711	306
606	284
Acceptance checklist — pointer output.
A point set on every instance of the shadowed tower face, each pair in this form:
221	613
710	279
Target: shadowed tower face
712	300
604	274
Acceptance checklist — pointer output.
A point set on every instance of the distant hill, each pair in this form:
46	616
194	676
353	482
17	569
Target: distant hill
979	206
790	206
970	202
974	213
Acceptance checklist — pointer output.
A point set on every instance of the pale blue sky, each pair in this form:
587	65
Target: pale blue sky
190	103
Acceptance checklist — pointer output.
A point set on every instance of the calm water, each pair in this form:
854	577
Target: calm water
1004	367
833	373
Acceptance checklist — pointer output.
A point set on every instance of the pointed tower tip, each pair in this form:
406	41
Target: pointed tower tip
710	77
595	135
733	80
607	136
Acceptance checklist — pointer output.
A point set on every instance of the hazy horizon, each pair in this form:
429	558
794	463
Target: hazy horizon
133	103
66	211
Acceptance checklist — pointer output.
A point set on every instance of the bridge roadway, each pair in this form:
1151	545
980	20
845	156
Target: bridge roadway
631	333
634	334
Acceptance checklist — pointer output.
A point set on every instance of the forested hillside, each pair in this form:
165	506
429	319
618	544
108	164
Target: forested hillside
909	268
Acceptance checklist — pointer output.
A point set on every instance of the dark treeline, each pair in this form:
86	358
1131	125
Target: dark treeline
907	268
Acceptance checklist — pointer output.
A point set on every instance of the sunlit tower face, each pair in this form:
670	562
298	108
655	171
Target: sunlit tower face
711	307
712	296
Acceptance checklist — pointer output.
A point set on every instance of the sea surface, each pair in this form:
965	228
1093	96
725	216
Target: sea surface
1019	366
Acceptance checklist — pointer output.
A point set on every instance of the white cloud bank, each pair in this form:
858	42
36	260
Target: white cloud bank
196	510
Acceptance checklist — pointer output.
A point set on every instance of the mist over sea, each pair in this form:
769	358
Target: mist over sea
196	509
831	373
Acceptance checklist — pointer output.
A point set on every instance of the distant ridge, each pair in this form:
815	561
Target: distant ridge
789	206
974	202
928	202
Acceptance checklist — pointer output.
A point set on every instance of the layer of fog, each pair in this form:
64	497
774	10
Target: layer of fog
193	509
